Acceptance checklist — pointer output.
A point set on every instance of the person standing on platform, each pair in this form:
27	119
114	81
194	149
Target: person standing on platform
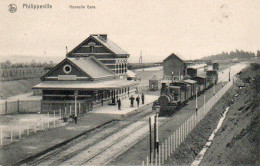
76	119
138	100
119	104
142	96
132	99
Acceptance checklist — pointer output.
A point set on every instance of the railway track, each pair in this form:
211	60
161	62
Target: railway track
96	155
111	147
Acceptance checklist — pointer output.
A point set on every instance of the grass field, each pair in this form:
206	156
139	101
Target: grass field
12	88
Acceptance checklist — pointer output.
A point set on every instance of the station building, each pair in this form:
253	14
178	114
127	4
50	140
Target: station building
103	49
89	76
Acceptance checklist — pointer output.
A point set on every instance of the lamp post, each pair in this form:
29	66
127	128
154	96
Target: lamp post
76	94
172	76
204	104
214	89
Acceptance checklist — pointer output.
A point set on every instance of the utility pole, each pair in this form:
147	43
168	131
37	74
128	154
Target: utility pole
229	75
141	59
150	129
156	138
196	100
179	74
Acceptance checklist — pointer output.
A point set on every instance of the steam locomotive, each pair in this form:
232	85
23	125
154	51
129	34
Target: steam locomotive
176	94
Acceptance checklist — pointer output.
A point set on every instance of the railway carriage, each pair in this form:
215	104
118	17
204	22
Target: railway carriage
175	94
212	77
201	83
193	85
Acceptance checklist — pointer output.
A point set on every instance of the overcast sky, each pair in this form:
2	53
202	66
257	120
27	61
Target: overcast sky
192	29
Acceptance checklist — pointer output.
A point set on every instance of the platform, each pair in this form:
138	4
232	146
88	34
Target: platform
112	110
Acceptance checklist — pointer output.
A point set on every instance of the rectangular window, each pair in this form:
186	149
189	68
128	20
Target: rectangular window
91	49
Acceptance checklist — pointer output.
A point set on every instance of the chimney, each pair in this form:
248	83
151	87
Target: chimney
103	36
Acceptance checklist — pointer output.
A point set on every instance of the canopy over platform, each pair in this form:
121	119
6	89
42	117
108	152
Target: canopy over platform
202	75
131	74
197	66
190	81
75	85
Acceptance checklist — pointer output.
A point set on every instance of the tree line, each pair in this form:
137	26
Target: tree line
238	54
9	65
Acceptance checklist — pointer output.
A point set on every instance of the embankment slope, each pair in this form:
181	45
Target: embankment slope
237	141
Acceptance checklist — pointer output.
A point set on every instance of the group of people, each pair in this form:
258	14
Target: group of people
132	99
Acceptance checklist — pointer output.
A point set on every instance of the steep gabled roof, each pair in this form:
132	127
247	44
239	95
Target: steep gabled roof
92	67
174	55
110	45
88	65
107	43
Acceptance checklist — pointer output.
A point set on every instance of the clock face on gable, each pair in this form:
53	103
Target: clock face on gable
67	69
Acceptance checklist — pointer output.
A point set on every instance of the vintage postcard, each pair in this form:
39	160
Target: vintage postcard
130	82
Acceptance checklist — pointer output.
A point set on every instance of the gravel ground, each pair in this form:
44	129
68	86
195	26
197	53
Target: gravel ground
92	143
195	140
38	143
131	157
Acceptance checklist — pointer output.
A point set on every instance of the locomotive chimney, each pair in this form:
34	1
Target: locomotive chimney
163	88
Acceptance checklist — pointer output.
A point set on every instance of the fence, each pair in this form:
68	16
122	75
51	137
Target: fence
169	145
23	106
141	88
17	129
14	131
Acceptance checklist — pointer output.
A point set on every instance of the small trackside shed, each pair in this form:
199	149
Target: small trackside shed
154	84
174	67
